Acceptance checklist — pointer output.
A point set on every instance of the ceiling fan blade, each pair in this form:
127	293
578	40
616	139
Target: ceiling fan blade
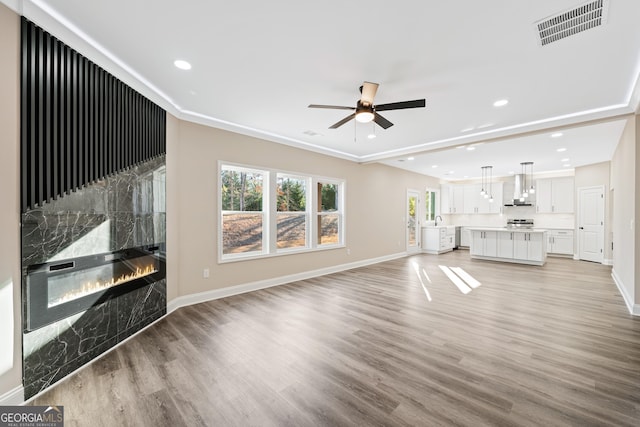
368	91
333	107
343	121
381	121
401	105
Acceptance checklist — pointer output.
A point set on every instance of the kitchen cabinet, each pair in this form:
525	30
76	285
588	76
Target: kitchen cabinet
517	246
456	199
555	195
452	199
505	244
465	237
472	198
466	199
528	246
560	242
484	243
437	240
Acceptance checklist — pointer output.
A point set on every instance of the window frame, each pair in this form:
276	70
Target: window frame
436	204
270	213
265	206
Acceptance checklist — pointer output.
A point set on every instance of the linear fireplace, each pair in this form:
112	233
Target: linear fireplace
57	290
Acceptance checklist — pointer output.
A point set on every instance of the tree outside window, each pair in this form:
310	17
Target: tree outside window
242	216
291	216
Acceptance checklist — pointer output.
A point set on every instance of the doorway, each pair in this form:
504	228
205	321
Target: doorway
591	223
413	221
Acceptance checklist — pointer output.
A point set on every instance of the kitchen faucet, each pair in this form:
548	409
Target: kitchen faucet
438	216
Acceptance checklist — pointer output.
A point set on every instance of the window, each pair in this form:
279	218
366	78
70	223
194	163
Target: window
242	215
431	206
291	212
329	213
267	213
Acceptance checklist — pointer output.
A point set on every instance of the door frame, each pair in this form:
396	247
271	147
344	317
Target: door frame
412	249
602	189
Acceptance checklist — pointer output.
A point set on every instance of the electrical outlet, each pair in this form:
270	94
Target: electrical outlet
205	273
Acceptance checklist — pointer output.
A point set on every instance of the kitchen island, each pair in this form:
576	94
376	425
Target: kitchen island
519	245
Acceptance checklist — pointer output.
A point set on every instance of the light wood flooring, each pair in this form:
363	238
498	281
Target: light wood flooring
531	346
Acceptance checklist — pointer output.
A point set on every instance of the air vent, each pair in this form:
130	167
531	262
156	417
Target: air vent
568	23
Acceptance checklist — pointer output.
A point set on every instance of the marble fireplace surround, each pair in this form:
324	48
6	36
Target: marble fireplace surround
123	211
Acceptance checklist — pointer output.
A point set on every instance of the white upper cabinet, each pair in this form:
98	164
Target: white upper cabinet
474	202
457	199
555	195
451	199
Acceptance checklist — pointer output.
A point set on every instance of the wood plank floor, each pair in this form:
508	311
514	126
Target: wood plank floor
550	345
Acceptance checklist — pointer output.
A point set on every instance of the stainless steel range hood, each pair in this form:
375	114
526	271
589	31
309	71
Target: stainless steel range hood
518	181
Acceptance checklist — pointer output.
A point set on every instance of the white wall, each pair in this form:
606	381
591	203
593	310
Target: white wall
623	185
375	208
10	318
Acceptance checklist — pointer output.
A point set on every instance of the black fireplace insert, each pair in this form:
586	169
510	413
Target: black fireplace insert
60	289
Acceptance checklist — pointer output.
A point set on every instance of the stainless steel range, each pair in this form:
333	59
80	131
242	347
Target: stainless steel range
519	223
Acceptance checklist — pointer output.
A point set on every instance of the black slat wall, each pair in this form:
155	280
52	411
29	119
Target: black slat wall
79	123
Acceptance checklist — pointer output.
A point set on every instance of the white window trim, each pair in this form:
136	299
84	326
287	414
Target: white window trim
269	212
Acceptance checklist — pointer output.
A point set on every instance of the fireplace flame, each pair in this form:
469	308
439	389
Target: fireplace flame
88	288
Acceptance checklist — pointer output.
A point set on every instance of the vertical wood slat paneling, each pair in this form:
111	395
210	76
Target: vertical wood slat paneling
79	123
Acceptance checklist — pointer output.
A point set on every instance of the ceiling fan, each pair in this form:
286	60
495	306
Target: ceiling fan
366	111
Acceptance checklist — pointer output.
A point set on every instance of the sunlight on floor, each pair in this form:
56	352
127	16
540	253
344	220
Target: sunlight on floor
466	277
460	284
416	267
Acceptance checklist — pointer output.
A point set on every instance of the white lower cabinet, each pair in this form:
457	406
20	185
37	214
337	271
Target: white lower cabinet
437	240
528	246
560	242
510	246
505	244
484	243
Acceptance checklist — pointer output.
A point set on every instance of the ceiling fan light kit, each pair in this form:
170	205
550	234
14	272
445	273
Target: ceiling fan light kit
366	110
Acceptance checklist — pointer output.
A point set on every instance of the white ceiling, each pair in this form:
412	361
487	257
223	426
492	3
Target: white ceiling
257	65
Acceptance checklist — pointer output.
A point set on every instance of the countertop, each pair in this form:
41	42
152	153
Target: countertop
514	230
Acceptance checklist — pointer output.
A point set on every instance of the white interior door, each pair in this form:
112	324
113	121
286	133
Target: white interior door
591	223
413	221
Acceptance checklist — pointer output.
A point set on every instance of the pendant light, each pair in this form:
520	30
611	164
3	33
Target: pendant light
532	189
525	189
491	184
486	183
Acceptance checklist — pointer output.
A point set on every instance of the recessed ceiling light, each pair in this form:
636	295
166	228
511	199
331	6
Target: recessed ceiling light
371	135
556	135
461	146
564	160
452	172
183	65
434	166
560	150
501	103
567	165
512	173
411	158
466	176
486	125
471	148
467	130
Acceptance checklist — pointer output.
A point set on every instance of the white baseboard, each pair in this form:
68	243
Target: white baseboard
214	294
13	397
607	261
634	309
